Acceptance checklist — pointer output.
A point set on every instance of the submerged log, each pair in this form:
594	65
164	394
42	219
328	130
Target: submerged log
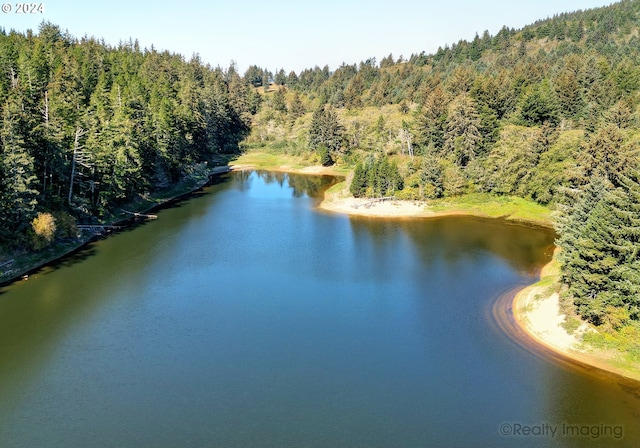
140	215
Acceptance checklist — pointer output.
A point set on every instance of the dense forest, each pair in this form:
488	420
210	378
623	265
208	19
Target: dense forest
85	128
549	113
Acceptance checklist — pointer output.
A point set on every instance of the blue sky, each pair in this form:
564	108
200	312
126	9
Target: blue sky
290	34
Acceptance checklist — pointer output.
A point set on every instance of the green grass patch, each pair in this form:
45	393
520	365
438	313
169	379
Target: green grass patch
549	283
571	324
337	188
624	342
268	158
265	159
494	206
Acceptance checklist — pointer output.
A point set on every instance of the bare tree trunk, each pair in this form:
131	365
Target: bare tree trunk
14	79
45	116
76	148
406	137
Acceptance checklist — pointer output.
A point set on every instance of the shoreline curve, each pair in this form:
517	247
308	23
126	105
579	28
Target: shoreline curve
543	336
538	327
339	200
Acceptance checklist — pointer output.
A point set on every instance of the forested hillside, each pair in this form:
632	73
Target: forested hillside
85	128
548	112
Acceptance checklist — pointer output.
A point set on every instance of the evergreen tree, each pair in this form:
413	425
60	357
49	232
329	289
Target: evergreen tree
462	139
606	155
280	77
18	197
296	107
325	129
431	123
538	107
278	101
431	176
358	185
600	243
325	156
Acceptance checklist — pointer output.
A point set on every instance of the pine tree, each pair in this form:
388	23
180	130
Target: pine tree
431	175
605	154
325	129
431	123
18	196
358	185
462	139
539	106
296	107
600	240
278	102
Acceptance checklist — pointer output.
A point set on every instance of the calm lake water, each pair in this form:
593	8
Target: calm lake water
246	318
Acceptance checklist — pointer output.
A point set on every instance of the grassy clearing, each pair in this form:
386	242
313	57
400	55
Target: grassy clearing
483	204
339	189
267	159
623	345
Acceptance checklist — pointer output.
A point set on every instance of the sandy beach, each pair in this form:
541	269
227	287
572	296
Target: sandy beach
539	315
341	201
542	319
373	208
315	169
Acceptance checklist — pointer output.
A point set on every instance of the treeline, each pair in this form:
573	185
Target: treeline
86	127
549	112
376	178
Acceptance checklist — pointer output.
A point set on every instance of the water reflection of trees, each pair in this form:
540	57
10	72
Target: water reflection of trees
526	249
312	186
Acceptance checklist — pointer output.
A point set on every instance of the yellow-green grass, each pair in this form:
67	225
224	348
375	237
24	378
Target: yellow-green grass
483	204
266	159
623	345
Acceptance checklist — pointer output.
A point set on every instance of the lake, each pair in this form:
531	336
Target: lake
244	317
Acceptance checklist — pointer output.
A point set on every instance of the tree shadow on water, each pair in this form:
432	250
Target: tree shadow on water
89	248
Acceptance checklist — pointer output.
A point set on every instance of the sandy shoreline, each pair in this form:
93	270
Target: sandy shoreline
316	169
540	317
380	209
342	202
538	314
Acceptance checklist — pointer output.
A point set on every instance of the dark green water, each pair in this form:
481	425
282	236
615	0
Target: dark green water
245	318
